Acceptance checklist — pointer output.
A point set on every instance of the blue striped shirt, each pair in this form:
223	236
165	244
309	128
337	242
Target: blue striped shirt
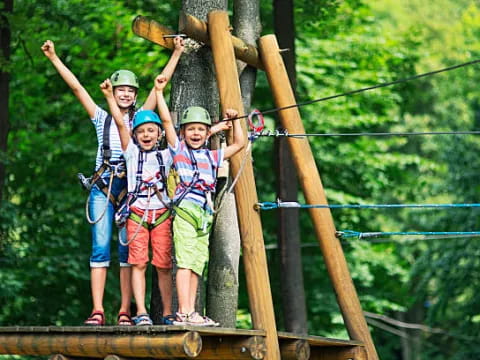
208	161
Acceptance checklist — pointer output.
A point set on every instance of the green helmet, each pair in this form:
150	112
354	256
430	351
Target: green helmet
124	77
195	114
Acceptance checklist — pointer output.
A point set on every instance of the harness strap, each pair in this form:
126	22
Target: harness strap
106	151
185	215
161	219
116	201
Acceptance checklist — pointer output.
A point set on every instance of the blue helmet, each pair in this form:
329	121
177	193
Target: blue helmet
145	116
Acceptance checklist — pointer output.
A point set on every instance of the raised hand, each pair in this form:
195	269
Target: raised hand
107	88
179	43
48	49
161	82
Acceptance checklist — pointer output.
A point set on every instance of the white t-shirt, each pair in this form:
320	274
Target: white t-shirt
150	174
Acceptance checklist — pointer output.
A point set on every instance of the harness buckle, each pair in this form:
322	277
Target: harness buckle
86	182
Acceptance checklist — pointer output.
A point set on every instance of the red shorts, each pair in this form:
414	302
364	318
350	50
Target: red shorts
160	237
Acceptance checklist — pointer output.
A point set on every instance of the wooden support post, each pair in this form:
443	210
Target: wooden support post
180	345
215	348
295	350
313	189
254	256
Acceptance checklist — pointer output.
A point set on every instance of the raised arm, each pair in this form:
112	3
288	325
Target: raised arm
238	137
48	49
160	83
107	90
167	71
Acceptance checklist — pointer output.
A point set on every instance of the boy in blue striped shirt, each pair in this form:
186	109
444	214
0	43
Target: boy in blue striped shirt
197	168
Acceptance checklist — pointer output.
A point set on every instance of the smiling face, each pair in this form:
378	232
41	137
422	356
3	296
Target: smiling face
195	134
147	135
125	96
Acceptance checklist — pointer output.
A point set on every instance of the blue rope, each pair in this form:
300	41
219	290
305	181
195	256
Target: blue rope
293	204
363	235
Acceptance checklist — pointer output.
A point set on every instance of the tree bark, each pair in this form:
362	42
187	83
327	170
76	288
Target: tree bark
293	294
5	36
193	83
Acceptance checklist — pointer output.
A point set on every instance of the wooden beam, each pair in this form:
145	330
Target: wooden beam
335	353
254	255
295	350
151	30
198	30
312	186
168	346
215	348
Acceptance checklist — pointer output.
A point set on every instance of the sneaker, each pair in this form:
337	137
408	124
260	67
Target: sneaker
195	319
180	319
142	320
168	320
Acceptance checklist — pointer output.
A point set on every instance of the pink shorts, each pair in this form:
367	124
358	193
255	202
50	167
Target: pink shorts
160	237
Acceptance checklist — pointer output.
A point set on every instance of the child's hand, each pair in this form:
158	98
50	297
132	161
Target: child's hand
222	126
231	114
161	82
179	44
107	88
48	49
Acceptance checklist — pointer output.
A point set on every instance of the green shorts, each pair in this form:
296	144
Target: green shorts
191	230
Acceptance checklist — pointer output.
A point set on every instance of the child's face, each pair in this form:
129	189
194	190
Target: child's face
195	134
125	96
147	135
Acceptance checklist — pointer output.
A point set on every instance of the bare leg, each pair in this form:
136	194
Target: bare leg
165	285
125	288
193	290
98	277
183	289
138	286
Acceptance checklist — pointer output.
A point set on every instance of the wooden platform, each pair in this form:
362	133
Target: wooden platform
167	342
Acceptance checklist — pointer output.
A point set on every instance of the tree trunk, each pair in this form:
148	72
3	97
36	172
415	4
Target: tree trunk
293	295
193	83
5	36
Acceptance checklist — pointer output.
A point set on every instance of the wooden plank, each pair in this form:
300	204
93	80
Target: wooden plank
157	329
318	340
254	255
309	178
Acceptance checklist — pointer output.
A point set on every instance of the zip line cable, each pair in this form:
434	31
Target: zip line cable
284	132
352	92
293	204
363	235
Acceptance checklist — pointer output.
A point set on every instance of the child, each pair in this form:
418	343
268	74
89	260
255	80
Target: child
197	167
147	168
106	182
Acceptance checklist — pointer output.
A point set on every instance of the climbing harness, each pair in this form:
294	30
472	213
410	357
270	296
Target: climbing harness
150	185
116	168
